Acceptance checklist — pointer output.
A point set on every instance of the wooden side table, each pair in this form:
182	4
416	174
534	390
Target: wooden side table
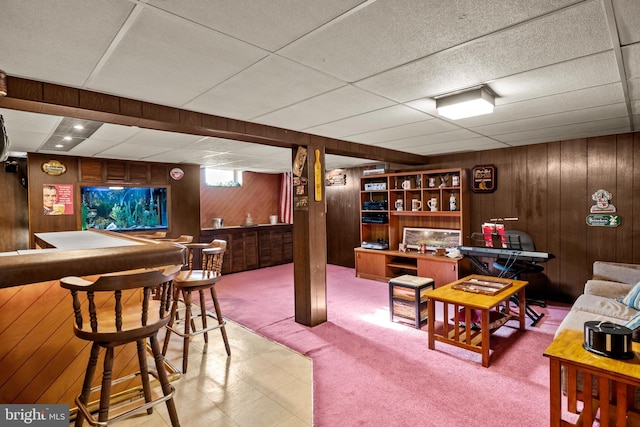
616	378
462	334
408	298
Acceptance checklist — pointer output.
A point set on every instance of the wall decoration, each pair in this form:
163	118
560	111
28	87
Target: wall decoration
299	162
176	173
57	199
606	220
335	177
53	168
602	199
317	177
484	179
602	213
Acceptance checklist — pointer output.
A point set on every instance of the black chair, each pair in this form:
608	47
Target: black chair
513	268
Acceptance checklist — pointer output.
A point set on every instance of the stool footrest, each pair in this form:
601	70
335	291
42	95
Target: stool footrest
92	421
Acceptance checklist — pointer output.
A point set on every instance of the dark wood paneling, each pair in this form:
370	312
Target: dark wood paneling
14	218
343	227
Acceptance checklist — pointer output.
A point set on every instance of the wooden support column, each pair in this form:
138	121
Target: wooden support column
309	236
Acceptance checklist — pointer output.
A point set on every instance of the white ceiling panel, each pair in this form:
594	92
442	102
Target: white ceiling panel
151	56
573	32
360	71
343	102
384	118
268	85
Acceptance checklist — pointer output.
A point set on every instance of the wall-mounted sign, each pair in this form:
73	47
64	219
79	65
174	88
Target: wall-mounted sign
603	220
602	199
484	179
176	173
57	199
54	168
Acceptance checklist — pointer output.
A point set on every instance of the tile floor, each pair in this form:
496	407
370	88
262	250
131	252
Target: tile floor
261	384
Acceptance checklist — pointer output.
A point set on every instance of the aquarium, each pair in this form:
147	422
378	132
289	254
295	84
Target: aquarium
124	208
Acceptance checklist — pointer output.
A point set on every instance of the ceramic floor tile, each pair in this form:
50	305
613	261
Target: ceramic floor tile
261	384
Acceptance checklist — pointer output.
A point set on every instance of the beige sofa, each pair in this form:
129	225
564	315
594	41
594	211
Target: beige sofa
610	281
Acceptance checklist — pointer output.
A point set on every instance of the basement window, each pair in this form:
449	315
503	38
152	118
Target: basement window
222	178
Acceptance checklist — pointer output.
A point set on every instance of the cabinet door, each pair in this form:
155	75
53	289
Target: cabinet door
442	272
250	249
371	265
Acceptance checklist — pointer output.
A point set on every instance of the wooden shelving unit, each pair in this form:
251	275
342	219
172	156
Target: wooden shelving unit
391	202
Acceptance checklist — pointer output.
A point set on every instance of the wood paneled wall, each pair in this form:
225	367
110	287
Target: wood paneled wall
14	215
343	219
549	187
258	196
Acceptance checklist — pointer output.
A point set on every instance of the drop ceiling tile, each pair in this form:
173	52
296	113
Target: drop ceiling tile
374	120
119	133
162	139
473	144
333	161
268	85
15	120
129	151
627	14
384	34
92	147
580	116
24	140
255	21
219	145
562	132
582	28
60	43
153	53
335	105
448	137
425	127
631	59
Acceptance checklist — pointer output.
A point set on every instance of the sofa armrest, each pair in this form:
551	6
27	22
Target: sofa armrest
607	289
616	272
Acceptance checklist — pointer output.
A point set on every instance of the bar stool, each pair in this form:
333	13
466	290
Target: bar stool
197	280
111	323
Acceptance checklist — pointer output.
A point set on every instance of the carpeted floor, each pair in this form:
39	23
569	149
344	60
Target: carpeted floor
369	371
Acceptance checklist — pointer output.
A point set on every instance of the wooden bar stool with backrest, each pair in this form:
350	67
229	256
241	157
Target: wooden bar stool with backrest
107	319
189	281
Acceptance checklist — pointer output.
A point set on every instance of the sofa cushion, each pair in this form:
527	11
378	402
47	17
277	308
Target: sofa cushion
575	319
634	322
632	299
604	306
607	288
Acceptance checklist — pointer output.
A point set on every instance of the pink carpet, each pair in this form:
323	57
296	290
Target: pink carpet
368	371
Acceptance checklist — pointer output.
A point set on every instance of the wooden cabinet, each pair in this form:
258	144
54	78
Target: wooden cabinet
249	248
384	265
389	203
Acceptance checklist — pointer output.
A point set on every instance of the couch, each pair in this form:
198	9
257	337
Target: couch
602	297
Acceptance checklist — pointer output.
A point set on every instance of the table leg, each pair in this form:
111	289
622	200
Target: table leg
554	393
522	307
486	333
431	321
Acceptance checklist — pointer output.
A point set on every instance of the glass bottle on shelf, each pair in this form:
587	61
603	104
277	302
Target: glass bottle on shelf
453	203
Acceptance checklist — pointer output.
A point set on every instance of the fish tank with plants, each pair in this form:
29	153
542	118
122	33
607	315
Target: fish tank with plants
124	208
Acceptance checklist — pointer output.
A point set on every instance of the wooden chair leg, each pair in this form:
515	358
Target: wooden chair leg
186	295
105	393
167	388
83	399
172	318
223	331
203	314
144	372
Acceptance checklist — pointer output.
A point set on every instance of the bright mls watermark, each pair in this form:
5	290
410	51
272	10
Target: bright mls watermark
34	415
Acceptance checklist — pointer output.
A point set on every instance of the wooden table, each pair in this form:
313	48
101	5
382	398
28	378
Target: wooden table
615	377
461	334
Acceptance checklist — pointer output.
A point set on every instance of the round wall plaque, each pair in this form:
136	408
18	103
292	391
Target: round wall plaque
53	167
176	173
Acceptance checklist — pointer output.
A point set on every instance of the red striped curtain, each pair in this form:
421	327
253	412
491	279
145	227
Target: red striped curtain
286	198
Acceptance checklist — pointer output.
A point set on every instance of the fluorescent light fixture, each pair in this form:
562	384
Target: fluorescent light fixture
459	105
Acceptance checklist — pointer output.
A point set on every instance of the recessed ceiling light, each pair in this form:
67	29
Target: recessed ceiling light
59	145
78	127
67	138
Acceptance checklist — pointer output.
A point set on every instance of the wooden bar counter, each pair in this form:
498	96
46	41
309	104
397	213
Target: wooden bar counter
42	360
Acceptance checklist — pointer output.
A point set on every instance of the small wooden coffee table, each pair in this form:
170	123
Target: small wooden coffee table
461	333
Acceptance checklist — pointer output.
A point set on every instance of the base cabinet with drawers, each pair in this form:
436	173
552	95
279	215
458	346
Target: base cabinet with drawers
253	247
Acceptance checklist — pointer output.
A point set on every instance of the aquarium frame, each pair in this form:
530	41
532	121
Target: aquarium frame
82	185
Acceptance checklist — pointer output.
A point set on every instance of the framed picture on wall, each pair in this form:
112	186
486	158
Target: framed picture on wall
484	179
432	237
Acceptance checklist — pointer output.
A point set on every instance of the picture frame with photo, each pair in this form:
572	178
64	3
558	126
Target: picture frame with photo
433	238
